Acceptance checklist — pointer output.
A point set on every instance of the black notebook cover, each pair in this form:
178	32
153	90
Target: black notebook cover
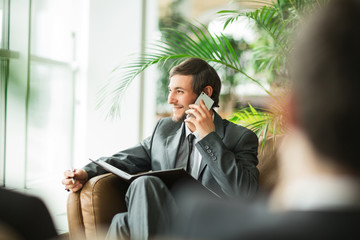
170	177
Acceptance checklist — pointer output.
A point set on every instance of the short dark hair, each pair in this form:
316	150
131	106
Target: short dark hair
202	75
327	83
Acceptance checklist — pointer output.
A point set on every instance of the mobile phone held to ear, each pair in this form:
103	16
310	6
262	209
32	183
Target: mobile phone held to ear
207	100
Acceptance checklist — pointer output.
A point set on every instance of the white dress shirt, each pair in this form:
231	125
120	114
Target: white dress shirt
195	157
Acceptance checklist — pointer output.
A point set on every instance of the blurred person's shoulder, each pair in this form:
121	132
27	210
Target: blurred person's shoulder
328	224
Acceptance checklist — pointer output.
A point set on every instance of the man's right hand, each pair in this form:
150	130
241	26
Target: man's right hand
74	179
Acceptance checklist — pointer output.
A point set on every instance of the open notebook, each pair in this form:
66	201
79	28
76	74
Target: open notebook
170	177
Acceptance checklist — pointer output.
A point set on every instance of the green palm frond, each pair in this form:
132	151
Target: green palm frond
251	118
230	16
263	122
267	58
178	46
253	4
306	6
276	19
270	19
276	22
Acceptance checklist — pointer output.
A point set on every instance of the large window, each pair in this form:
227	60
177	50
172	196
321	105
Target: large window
4	60
39	80
55	56
51	101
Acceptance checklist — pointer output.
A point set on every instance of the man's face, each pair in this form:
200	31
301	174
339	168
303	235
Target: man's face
180	96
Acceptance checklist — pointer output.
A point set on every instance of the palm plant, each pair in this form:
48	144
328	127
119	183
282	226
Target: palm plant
178	46
276	21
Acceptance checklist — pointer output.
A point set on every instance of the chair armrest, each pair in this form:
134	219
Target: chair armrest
75	220
92	210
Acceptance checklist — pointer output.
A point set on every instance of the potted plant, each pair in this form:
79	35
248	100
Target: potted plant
275	21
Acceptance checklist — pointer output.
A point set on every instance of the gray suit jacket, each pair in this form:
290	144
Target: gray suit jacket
229	156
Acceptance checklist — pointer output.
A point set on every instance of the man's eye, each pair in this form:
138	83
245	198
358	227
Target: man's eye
179	91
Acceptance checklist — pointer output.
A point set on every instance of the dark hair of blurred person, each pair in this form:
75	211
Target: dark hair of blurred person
327	86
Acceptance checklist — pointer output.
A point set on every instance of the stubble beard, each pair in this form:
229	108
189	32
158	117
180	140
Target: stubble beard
180	118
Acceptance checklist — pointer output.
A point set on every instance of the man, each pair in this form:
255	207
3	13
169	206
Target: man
318	195
224	158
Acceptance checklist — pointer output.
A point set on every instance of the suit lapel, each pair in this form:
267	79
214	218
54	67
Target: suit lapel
219	126
219	129
172	146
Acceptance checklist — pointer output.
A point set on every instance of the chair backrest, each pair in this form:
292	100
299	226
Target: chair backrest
268	166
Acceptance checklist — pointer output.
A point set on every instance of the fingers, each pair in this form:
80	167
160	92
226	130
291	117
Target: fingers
81	175
202	119
199	111
73	185
69	181
69	178
69	173
74	179
77	188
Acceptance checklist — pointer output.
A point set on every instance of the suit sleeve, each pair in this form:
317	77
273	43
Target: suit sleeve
132	160
234	167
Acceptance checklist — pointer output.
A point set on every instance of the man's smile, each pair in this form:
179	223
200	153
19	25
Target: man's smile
177	108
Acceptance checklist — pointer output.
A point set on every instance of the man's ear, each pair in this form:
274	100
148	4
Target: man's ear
208	90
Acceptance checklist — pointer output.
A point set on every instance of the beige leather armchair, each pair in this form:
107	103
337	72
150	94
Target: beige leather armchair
91	210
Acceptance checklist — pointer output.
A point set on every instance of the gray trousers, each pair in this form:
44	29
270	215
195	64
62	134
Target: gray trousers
150	205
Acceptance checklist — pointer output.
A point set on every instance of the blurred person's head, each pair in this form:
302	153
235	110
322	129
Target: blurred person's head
187	81
326	74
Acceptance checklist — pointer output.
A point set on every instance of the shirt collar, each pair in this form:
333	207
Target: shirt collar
188	132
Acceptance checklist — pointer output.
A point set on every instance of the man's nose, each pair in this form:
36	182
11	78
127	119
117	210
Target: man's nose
171	98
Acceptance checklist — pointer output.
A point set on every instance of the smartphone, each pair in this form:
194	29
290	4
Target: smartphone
207	100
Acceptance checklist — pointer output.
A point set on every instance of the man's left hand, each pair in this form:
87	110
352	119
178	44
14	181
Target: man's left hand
202	119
